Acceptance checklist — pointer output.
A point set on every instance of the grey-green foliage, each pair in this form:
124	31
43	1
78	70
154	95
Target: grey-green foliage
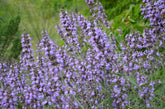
10	46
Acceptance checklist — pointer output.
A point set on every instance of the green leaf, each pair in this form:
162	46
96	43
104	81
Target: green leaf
19	94
102	103
20	75
1	83
78	102
160	86
144	84
132	80
117	74
131	20
19	106
1	18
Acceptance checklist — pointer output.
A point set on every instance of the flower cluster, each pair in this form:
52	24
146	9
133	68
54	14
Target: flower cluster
91	67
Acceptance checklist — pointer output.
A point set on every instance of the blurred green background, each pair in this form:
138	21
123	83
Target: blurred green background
33	15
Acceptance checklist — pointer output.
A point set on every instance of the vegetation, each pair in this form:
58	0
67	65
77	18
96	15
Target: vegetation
85	56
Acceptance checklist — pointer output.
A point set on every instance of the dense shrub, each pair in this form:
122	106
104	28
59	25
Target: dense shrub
10	42
91	69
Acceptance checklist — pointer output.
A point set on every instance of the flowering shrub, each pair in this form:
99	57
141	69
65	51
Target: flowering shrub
91	70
